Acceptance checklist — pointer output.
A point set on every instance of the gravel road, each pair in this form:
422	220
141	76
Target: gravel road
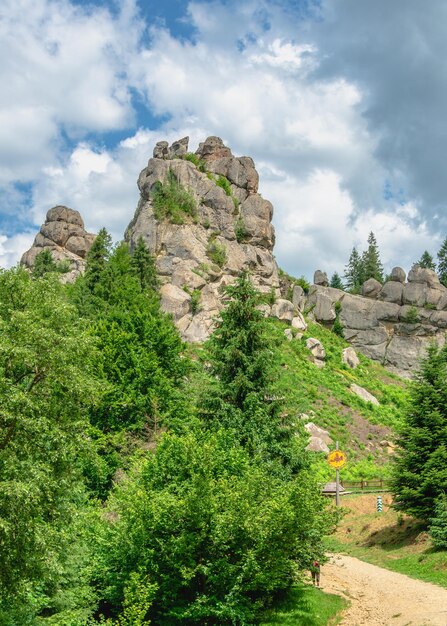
380	597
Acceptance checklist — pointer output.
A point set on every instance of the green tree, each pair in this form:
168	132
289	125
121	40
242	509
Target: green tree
442	263
354	272
244	366
336	281
97	258
215	532
47	384
44	263
372	266
438	523
426	261
143	266
420	475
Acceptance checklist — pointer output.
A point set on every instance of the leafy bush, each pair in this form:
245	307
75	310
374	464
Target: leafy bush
302	282
240	230
216	252
224	183
215	531
172	201
412	316
44	263
193	158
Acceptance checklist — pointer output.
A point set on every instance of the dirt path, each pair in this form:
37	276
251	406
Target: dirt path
380	598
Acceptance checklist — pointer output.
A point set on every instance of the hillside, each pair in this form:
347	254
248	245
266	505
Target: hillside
323	396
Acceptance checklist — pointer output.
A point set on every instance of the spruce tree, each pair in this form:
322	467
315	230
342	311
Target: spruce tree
43	264
336	281
426	261
143	266
420	474
372	266
97	258
442	263
354	272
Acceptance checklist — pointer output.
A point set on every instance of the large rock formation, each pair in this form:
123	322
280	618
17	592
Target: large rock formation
201	252
63	233
393	323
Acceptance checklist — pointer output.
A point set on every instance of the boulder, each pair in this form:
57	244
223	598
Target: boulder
320	278
363	394
179	148
324	310
350	358
316	431
423	275
317	445
392	291
161	150
283	310
288	334
442	302
316	348
64	235
371	288
299	322
415	293
175	301
397	275
298	297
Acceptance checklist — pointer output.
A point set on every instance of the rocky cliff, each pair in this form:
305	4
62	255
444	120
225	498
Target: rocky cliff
63	233
224	228
393	323
204	221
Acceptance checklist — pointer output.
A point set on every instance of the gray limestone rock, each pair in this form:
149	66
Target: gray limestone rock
288	334
392	291
316	348
298	297
161	150
415	293
283	310
363	394
350	358
320	278
324	310
62	233
397	275
423	275
299	322
179	148
175	301
371	288
316	431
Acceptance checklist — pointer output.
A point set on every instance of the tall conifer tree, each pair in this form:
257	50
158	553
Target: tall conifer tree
426	261
372	266
354	271
442	263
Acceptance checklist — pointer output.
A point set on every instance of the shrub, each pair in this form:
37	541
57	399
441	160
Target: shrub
412	317
224	183
216	252
172	201
193	158
240	231
337	327
195	301
302	282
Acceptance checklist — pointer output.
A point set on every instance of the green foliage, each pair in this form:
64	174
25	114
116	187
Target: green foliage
412	316
426	261
172	201
337	327
44	263
420	475
438	523
197	161
371	264
240	230
143	267
206	223
139	594
216	251
336	281
224	183
97	258
442	263
47	384
354	274
302	282
216	533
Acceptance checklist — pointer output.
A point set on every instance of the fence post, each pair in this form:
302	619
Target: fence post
379	504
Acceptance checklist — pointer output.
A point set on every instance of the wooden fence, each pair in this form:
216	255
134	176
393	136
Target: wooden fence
378	484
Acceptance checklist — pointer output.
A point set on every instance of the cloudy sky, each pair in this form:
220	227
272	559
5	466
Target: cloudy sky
341	103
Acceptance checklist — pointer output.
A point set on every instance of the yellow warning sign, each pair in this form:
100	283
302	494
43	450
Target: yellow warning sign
336	459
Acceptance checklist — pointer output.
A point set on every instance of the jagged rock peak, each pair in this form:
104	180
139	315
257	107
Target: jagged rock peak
201	250
62	233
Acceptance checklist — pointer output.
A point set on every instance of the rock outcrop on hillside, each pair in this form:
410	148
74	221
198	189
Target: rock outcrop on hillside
63	233
391	323
198	255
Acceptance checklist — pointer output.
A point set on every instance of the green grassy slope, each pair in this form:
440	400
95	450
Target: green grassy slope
325	397
306	606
